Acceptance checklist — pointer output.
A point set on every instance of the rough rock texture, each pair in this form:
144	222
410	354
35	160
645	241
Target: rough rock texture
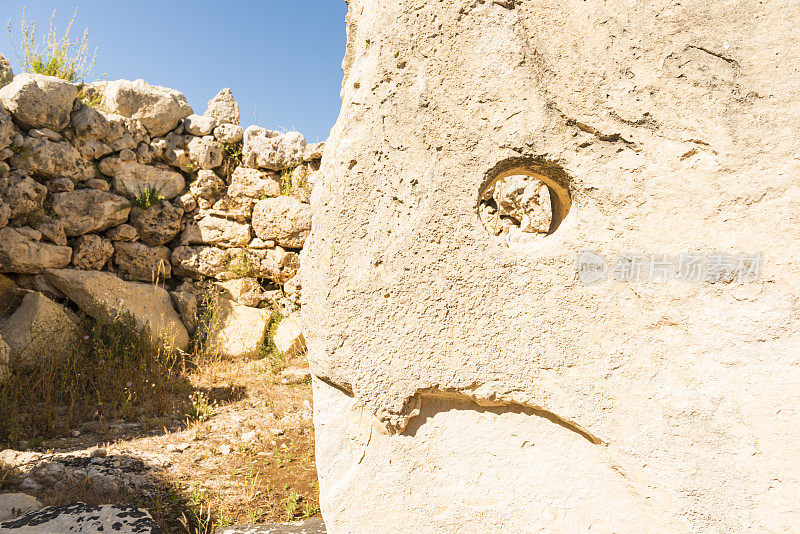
289	337
246	291
521	400
16	504
91	252
199	125
38	101
223	108
267	149
159	109
315	525
90	210
285	220
82	518
134	179
104	296
5	360
39	329
21	254
253	184
50	159
158	224
236	330
137	261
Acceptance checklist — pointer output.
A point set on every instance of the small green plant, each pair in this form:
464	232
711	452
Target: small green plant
92	99
200	409
310	509
145	196
60	57
241	265
232	159
255	515
267	348
291	504
286	181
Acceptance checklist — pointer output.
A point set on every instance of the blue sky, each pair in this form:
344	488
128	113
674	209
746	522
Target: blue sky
281	58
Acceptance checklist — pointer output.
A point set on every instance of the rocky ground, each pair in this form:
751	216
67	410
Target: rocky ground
237	448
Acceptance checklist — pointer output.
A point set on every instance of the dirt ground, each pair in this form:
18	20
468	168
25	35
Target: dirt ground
236	447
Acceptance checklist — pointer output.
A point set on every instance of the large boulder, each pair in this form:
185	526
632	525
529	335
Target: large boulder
159	109
38	101
223	108
80	517
135	179
205	152
16	504
157	224
285	220
48	159
235	330
197	262
104	296
137	261
275	151
472	384
39	329
199	125
19	253
90	210
246	291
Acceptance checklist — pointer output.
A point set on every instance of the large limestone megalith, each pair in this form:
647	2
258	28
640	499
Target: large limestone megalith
466	379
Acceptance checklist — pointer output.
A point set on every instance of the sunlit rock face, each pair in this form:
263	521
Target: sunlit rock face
469	382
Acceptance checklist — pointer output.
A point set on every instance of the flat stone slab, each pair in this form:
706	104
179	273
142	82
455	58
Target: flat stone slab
79	517
315	525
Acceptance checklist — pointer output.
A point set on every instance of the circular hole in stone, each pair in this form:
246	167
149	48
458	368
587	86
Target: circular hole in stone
523	203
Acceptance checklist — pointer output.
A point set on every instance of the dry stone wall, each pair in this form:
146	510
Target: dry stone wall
109	188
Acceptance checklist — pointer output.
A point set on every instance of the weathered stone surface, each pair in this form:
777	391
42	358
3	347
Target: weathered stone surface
52	229
20	254
185	300
16	504
289	338
112	130
196	262
123	232
22	194
80	517
133	178
224	108
205	152
104	296
315	525
199	125
522	400
276	264
38	101
91	252
237	330
246	291
207	187
137	261
90	210
285	220
47	159
7	131
212	230
39	329
253	184
229	134
267	149
158	224
10	296
159	109
6	73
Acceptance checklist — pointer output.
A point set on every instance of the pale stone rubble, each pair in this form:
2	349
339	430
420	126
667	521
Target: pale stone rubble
110	189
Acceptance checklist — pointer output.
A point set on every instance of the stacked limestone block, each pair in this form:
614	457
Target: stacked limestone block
120	188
